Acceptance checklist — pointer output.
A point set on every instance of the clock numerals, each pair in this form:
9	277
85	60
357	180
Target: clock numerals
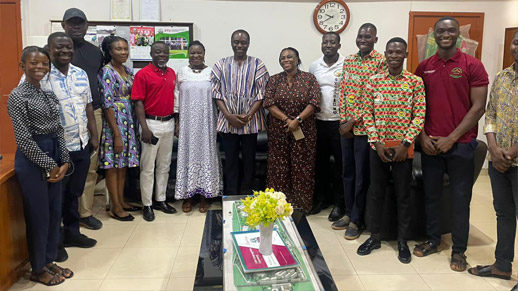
331	15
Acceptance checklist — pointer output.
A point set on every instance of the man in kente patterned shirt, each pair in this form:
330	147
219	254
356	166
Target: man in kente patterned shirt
357	69
394	116
501	130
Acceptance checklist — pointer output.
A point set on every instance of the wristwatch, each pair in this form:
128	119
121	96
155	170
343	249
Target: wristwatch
299	119
406	143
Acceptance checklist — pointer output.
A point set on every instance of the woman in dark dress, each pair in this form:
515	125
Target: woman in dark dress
292	97
40	164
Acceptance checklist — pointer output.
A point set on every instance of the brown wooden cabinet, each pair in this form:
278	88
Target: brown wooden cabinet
14	256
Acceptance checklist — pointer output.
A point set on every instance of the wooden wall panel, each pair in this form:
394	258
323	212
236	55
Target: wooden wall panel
508	58
420	22
10	25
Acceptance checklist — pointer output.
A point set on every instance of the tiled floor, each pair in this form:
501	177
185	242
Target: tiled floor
162	255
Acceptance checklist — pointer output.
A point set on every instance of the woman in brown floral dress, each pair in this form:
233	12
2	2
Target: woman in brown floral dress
292	97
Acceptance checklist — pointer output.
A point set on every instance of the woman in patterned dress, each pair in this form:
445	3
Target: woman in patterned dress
119	148
198	163
292	97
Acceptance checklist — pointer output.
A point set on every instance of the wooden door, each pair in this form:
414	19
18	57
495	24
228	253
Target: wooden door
10	51
420	23
508	58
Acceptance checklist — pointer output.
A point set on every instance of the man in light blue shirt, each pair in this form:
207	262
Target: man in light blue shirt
70	84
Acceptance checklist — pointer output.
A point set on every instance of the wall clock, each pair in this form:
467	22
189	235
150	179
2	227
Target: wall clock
331	15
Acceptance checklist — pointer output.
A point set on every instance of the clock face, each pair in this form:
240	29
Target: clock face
331	16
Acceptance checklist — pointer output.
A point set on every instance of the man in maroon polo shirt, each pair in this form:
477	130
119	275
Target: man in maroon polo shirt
456	91
153	93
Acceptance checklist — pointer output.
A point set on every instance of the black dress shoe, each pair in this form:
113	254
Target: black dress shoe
148	213
315	209
404	255
368	246
62	254
336	214
166	208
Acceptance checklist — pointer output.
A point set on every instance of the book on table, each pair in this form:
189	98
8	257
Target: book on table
246	244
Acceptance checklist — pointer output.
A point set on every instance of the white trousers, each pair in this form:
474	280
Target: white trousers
159	155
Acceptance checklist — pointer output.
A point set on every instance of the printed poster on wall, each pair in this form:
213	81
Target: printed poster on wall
104	31
177	38
141	39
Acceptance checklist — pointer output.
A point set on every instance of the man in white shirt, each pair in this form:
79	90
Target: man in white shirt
328	71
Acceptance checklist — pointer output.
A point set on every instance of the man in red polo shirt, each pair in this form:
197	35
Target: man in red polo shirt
153	93
456	91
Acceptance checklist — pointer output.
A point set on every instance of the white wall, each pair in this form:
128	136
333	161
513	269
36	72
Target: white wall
277	24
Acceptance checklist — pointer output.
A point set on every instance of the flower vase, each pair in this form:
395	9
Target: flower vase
265	245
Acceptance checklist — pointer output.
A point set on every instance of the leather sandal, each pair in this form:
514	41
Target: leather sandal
458	262
488	271
65	272
187	205
204	206
425	249
54	280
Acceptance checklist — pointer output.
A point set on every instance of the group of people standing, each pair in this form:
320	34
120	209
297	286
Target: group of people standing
78	110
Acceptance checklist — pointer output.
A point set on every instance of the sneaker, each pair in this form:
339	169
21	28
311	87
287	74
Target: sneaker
80	241
91	222
341	224
352	232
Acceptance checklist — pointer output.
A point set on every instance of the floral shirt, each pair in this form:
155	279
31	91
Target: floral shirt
501	113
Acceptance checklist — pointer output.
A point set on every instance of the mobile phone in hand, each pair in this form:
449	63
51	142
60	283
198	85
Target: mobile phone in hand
154	140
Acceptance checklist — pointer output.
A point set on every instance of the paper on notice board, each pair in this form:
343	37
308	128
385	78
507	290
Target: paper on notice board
176	37
141	39
121	9
149	10
56	27
104	31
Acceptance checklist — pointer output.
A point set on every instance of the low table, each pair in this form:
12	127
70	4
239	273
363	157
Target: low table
215	263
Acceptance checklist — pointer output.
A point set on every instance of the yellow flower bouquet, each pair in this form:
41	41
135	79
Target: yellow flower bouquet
265	207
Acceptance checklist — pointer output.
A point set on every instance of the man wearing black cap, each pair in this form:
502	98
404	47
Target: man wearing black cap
89	58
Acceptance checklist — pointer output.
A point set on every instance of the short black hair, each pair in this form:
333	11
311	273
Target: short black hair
33	49
293	50
399	40
240	31
159	42
332	33
196	42
515	33
106	46
369	25
55	35
444	18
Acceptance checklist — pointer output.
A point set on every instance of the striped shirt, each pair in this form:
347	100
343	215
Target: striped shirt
395	107
240	87
356	72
